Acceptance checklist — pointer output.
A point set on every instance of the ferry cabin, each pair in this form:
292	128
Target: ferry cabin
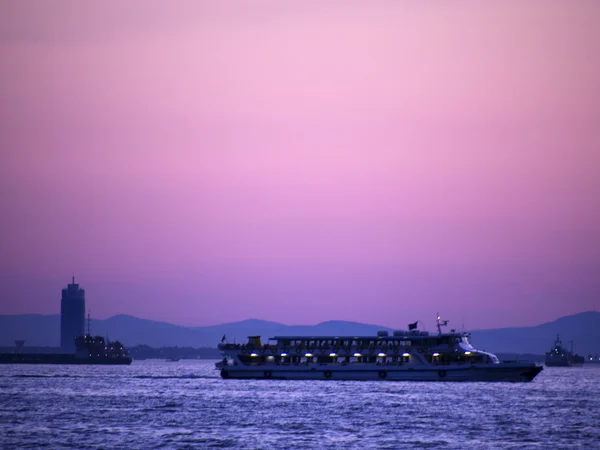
403	347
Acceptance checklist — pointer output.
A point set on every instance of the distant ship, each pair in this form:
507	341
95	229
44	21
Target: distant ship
88	350
559	356
406	355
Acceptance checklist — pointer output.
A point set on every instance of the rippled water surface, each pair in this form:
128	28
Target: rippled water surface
153	404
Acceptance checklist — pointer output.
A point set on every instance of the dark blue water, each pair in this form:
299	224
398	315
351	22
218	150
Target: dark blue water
153	404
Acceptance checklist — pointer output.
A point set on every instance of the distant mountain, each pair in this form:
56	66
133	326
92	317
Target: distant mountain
582	329
240	330
43	330
40	330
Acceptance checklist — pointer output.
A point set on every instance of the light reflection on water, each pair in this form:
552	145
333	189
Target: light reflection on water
177	404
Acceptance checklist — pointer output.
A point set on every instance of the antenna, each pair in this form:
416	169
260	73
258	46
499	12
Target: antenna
73	277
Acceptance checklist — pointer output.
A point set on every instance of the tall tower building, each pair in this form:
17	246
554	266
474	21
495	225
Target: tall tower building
72	316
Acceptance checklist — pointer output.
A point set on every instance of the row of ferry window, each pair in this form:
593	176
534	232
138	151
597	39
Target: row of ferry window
259	359
353	343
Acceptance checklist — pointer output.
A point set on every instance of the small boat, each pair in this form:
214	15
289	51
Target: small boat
405	355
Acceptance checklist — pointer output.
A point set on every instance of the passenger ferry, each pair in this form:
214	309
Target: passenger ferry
407	355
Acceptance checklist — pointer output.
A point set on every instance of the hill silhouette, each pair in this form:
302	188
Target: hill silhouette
583	330
43	330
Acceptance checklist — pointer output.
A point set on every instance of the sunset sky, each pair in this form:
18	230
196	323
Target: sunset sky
202	162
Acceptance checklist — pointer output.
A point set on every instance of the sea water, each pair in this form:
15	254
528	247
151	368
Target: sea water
160	404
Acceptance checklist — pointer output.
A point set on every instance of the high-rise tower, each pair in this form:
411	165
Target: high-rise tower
72	315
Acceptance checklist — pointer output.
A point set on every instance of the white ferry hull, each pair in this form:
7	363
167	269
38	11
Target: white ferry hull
514	372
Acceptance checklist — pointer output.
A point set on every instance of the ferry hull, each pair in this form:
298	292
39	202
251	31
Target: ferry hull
511	373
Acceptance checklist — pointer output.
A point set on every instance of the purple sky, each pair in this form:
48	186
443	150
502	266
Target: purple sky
202	162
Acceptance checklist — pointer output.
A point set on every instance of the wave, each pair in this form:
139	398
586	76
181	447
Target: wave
25	375
174	377
139	377
170	405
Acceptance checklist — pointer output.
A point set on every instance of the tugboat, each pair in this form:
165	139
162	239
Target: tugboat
559	356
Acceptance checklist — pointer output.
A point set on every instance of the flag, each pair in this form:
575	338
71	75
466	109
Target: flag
413	326
223	338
